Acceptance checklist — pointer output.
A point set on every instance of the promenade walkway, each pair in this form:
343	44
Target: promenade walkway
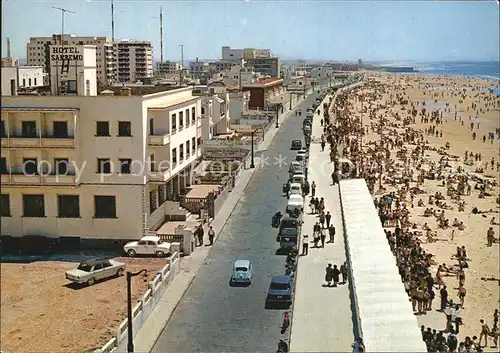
322	317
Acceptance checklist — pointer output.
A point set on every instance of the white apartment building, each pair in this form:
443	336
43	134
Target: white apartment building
98	167
134	60
215	110
38	53
247	53
168	67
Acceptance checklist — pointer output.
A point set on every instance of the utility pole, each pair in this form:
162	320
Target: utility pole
182	65
161	35
63	13
112	21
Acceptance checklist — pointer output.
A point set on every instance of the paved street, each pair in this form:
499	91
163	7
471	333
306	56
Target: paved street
322	317
212	316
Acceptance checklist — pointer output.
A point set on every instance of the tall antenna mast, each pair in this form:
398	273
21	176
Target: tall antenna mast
112	21
182	64
161	35
63	13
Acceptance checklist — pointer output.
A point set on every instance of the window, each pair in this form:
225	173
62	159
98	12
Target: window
24	82
161	194
174	157
187	117
103	166
3	166
29	129
61	165
187	149
68	206
33	206
124	128
181	120
152	163
60	129
202	110
181	152
30	166
105	207
193	144
87	87
2	128
193	114
125	166
102	128
151	126
5	205
29	82
198	142
35	81
152	201
173	122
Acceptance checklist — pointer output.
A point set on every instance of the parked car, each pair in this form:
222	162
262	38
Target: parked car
295	202
302	152
295	189
296	145
295	168
242	272
148	245
280	292
95	270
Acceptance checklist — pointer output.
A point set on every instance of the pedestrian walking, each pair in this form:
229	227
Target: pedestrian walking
444	297
343	272
199	234
333	178
316	238
328	275
328	218
335	275
211	235
323	144
323	237
490	236
322	219
305	245
485	330
331	231
313	189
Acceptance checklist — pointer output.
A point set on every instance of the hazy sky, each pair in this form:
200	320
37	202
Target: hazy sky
342	30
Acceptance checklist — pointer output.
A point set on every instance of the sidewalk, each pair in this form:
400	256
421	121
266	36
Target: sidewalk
148	334
322	317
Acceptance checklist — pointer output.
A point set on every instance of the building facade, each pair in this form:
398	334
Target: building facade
31	76
134	60
263	91
9	81
95	168
266	66
247	53
168	67
38	53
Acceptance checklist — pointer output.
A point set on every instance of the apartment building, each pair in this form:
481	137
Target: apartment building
168	67
247	53
95	168
134	60
215	103
38	53
266	66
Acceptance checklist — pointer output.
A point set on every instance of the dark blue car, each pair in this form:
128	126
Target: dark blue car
280	292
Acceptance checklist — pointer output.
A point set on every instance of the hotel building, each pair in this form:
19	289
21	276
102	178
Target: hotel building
90	168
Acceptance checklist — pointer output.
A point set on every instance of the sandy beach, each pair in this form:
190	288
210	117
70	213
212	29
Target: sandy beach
421	127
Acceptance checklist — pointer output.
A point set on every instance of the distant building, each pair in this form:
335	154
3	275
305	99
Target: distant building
263	91
38	53
248	53
266	66
199	69
9	81
168	67
135	60
214	110
31	76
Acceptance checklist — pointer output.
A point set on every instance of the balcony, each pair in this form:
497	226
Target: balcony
60	179
37	142
159	175
159	140
39	179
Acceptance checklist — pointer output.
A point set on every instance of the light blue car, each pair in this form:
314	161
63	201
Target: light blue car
242	272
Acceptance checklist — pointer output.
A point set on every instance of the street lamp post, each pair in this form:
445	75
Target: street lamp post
252	163
277	115
130	346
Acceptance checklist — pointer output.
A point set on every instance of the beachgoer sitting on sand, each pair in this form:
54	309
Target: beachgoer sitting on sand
426	227
431	200
456	223
492	221
420	203
461	207
461	226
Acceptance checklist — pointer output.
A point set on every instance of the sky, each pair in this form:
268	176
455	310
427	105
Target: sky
314	30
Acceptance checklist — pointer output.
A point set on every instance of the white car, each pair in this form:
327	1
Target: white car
149	245
295	202
295	167
302	152
92	271
295	189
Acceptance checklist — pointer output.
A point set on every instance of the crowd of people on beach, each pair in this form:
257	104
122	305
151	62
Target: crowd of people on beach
397	170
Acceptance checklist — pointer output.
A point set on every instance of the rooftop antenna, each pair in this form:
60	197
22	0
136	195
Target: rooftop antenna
112	21
182	63
161	35
63	13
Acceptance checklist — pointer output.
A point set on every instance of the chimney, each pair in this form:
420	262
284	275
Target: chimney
8	48
125	92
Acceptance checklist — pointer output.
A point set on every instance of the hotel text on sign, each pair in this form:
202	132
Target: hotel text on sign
65	53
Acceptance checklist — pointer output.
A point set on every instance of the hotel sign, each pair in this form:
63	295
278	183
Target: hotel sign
65	53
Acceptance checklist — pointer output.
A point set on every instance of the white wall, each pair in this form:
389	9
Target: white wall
30	76
8	74
127	225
